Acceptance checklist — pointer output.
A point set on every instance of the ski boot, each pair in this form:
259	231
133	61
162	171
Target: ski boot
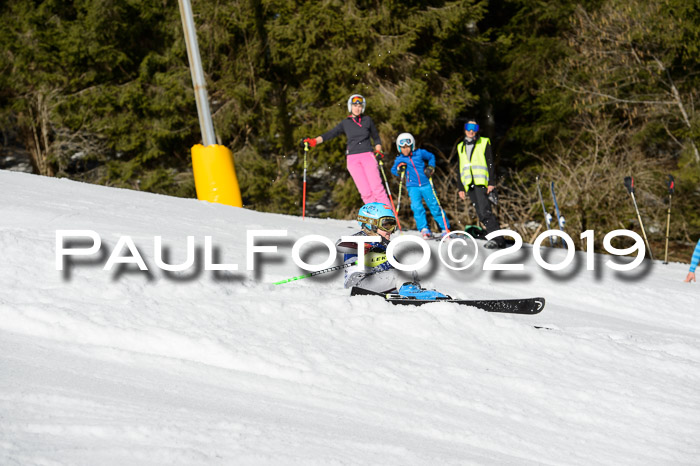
426	233
496	243
413	290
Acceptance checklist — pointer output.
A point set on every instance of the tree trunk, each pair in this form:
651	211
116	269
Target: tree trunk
36	132
679	103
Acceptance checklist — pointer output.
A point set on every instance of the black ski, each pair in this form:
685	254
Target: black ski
432	237
509	306
435	237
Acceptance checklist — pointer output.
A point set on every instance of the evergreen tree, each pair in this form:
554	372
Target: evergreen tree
100	84
574	90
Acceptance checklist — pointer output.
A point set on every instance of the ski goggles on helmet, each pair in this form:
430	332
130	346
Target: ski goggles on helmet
471	127
387	224
405	142
358	101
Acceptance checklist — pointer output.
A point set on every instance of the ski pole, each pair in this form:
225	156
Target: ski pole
547	215
386	185
303	201
444	221
466	213
629	184
313	274
671	187
560	217
398	204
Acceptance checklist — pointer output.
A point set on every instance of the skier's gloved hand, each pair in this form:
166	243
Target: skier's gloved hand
429	171
378	155
353	278
493	197
353	274
401	167
310	141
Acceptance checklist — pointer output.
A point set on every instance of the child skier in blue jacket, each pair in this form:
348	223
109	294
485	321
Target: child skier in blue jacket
419	165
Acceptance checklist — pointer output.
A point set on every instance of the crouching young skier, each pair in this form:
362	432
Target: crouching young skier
378	275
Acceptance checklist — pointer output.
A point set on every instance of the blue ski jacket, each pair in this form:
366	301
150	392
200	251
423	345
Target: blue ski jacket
415	164
696	257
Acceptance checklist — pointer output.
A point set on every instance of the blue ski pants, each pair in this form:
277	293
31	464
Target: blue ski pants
418	194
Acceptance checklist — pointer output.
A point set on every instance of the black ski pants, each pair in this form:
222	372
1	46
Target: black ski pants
481	203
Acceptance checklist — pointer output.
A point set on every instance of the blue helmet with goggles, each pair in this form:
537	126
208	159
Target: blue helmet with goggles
471	127
357	99
376	216
405	139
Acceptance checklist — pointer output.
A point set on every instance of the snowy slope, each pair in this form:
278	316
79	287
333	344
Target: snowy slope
204	367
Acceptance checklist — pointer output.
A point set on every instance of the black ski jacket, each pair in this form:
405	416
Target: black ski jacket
358	131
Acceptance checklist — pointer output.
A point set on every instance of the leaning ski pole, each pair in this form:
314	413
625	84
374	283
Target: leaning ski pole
313	274
303	201
398	203
629	184
386	185
671	187
547	215
444	220
560	217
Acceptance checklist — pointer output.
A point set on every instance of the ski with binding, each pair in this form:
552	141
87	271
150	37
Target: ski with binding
509	306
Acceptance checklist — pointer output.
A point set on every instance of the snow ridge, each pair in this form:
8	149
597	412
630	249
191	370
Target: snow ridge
128	367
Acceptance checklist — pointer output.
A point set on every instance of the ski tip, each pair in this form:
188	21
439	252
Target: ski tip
540	302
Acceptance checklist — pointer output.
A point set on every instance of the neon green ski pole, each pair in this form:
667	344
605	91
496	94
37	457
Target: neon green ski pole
312	274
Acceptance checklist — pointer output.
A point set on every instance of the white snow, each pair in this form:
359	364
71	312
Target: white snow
203	367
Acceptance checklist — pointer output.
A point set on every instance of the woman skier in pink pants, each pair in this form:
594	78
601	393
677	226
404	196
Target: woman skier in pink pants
362	160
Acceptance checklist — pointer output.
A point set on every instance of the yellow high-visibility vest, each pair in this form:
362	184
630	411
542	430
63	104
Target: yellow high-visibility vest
475	170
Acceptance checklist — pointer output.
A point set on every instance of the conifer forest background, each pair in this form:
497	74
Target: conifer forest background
582	93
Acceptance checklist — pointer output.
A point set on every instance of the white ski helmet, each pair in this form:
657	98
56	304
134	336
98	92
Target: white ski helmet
405	138
357	96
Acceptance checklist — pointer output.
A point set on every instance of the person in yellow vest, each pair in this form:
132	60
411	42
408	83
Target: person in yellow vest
476	174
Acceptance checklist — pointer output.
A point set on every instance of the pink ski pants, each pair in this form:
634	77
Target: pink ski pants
364	170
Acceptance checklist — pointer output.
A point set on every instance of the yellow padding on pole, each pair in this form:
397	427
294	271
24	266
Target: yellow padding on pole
215	176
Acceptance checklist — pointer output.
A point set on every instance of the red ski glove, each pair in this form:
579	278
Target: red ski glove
310	141
401	167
